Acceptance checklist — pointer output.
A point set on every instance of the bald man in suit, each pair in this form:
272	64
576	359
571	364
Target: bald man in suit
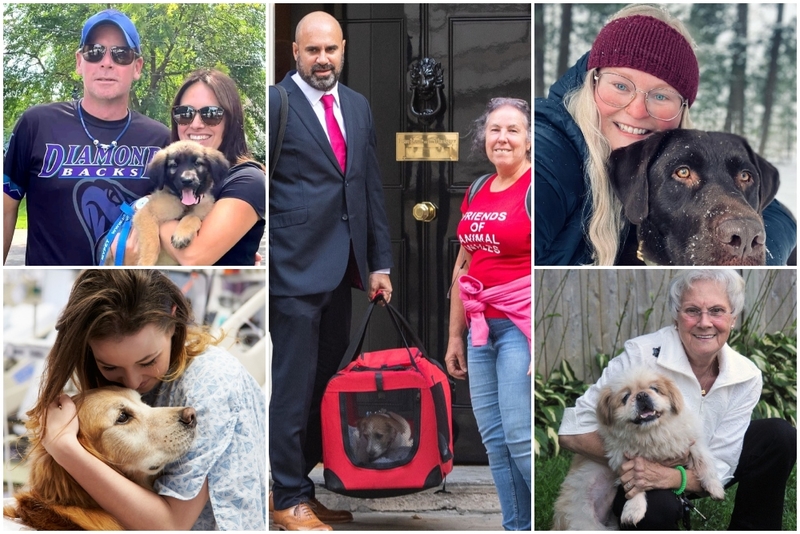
328	232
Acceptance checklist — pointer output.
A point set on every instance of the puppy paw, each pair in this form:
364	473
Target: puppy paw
181	241
715	489
634	510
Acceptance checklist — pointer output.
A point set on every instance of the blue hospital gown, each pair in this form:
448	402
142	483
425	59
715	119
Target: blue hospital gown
230	445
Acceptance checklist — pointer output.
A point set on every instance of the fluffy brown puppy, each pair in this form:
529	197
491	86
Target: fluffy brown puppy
183	175
122	431
639	414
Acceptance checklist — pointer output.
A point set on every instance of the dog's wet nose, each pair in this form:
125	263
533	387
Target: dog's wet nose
742	238
189	417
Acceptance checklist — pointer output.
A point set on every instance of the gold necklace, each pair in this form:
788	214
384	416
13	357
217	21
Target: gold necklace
700	380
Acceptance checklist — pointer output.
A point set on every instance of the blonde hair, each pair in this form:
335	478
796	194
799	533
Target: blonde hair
605	219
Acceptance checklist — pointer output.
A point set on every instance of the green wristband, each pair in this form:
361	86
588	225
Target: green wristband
683	480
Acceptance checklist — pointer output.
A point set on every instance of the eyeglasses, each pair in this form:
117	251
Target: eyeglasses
121	55
696	313
210	115
618	92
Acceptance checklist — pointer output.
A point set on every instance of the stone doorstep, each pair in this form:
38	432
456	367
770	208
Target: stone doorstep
470	490
461	499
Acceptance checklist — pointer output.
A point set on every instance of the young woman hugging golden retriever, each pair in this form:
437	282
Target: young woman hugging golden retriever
134	328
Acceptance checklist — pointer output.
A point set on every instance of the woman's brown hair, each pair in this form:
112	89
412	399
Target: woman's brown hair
234	145
110	304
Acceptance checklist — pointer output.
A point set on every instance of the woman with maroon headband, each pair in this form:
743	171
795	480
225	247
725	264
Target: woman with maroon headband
640	77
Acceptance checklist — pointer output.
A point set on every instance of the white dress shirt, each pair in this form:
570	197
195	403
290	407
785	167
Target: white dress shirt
314	97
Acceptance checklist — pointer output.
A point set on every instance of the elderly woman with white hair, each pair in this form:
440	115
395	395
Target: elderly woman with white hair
720	385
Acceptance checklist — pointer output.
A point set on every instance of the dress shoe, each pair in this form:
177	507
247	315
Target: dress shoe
323	514
298	517
329	516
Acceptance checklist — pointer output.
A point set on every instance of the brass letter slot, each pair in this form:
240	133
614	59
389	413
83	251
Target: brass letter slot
439	146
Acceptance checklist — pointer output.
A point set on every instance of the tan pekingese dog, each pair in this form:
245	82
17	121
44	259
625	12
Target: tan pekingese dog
135	439
639	414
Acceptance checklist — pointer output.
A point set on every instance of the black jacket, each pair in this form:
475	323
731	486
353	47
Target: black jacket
563	195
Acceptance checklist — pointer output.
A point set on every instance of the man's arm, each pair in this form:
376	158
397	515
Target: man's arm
10	212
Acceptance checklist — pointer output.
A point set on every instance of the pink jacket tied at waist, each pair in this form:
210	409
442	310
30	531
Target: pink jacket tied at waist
512	298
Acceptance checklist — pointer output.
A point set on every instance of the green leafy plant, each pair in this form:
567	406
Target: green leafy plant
552	397
776	357
775	354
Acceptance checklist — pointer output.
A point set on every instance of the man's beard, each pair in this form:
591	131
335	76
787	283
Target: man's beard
322	84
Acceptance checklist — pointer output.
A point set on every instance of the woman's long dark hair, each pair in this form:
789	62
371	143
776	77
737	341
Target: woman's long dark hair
234	145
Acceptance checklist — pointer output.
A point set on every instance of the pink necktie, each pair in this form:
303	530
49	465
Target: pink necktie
335	133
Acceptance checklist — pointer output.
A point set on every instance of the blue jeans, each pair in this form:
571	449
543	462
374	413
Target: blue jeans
500	389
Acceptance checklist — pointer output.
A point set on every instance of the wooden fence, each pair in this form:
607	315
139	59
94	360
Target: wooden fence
579	313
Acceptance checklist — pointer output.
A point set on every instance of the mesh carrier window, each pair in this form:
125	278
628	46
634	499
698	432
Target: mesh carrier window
380	429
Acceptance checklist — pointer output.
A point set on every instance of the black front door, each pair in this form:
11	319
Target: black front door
484	51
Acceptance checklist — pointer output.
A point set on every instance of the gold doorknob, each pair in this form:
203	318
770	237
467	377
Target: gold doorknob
425	211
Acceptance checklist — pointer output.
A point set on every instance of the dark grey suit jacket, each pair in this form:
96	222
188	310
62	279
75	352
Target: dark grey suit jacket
315	210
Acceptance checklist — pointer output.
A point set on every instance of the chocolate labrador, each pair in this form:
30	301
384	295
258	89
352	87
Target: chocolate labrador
696	198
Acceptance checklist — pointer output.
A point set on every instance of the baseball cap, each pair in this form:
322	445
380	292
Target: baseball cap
112	16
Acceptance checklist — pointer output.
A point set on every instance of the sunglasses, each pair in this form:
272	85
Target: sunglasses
121	55
210	115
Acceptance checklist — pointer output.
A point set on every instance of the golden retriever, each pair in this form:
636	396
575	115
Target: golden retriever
122	431
183	175
639	414
380	434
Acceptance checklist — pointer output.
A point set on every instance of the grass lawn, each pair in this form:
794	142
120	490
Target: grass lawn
550	472
22	215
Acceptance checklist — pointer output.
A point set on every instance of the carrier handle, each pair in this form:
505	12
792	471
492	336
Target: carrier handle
400	324
417	341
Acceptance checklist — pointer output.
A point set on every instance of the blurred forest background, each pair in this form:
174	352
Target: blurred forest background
747	56
40	40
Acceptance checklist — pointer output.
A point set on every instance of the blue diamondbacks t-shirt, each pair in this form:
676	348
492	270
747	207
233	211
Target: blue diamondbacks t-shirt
73	188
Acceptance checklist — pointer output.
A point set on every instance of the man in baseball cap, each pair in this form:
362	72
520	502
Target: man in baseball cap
117	18
82	160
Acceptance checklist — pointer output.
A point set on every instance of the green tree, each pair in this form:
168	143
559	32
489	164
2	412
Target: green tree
40	41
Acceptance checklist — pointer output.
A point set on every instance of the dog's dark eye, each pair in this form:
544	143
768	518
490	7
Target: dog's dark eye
123	418
654	388
745	177
625	398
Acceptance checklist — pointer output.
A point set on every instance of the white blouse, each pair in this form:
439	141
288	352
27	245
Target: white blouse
725	411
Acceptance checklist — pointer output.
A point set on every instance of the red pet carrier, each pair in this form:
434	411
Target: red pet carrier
386	419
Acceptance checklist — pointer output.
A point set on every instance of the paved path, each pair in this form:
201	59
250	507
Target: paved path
16	254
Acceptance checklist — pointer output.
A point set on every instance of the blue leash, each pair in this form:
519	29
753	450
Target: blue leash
122	226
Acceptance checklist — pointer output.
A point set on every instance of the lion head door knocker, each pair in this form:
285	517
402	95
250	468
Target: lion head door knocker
427	90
